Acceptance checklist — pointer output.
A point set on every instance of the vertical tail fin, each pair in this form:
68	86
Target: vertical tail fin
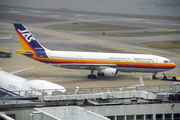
141	83
28	41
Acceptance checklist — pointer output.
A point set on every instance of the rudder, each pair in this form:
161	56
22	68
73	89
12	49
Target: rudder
28	41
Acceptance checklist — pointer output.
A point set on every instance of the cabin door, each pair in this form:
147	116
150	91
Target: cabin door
79	58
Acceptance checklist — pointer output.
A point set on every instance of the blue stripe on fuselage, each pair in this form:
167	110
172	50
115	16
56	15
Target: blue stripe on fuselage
8	92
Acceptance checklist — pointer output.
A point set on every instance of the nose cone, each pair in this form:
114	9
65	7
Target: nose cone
173	65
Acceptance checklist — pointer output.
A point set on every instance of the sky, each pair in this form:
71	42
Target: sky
147	7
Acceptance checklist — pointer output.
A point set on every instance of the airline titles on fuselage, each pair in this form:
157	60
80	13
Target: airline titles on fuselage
147	60
14	87
17	89
132	60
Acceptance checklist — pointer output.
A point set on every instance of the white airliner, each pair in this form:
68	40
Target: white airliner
18	86
107	64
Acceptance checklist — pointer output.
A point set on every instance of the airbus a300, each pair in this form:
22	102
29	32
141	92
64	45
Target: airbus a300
107	64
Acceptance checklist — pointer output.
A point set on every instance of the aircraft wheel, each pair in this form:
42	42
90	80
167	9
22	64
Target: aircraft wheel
174	79
100	74
91	76
153	77
94	76
164	78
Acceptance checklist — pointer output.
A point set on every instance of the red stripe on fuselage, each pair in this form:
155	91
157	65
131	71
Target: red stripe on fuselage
121	64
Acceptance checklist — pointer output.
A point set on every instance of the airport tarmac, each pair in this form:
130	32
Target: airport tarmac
65	40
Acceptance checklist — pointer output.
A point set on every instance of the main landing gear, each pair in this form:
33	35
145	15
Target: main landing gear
91	76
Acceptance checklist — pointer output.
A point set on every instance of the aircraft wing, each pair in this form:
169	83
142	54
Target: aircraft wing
17	71
86	66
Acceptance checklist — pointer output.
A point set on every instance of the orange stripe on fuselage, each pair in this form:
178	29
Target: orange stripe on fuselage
118	63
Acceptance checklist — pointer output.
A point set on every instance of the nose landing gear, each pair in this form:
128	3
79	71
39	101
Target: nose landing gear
153	76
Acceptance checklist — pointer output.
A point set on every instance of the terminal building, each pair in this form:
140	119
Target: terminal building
140	103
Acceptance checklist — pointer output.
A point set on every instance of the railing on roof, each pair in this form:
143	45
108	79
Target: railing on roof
72	91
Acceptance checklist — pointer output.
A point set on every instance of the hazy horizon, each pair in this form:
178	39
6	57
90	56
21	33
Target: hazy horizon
162	7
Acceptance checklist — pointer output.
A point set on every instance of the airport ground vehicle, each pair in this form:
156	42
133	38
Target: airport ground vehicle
170	77
5	53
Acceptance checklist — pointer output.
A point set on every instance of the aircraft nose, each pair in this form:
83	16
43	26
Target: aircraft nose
173	65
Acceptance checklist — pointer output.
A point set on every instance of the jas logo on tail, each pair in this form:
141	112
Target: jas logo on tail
26	35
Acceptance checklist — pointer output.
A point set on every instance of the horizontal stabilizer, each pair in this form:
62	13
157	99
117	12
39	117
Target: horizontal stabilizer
6	37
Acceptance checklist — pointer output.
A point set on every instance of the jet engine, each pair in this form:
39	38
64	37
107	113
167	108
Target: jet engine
109	72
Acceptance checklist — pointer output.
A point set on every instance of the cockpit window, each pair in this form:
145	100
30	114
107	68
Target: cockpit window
166	61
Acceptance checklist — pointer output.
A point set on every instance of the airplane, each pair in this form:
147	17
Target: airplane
107	64
17	86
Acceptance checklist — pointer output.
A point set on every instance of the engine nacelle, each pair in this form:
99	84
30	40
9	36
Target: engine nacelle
109	72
